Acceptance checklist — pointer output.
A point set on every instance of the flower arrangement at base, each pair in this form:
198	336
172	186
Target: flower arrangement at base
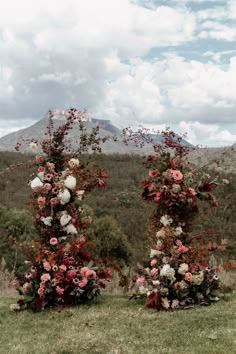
60	269
177	273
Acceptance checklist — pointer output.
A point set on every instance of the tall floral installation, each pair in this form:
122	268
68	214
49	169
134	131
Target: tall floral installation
60	269
177	273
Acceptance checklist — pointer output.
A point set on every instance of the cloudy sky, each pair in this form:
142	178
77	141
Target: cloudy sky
158	63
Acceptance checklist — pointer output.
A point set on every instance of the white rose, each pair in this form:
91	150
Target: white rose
70	182
64	196
183	268
154	253
166	220
70	229
65	218
47	220
41	176
36	183
178	231
33	146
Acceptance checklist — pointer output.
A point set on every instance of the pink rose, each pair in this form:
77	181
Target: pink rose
177	175
54	201
153	173
45	277
86	272
182	249
157	196
188	276
53	241
25	286
191	191
83	283
40	292
46	265
153	272
47	186
41	201
71	274
59	290
41	169
37	216
62	268
141	281
153	262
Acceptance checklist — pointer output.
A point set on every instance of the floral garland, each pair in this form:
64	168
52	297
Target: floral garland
60	269
177	273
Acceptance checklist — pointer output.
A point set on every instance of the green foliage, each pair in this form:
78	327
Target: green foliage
116	325
110	241
16	225
121	198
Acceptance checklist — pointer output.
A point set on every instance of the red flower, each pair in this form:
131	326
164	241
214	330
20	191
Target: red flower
205	187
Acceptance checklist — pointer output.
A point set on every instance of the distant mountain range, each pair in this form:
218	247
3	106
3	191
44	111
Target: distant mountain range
106	128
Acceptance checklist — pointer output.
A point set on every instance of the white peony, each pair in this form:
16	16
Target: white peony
41	176
64	196
167	272
70	182
178	231
166	220
70	229
65	218
47	220
183	268
154	253
36	183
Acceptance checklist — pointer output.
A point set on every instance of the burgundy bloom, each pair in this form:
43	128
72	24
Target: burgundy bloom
205	187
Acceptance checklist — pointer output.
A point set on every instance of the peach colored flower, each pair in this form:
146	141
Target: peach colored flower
53	241
188	276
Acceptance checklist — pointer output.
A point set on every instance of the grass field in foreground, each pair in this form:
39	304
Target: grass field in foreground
116	325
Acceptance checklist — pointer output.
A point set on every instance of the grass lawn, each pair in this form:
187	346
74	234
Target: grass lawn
116	325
